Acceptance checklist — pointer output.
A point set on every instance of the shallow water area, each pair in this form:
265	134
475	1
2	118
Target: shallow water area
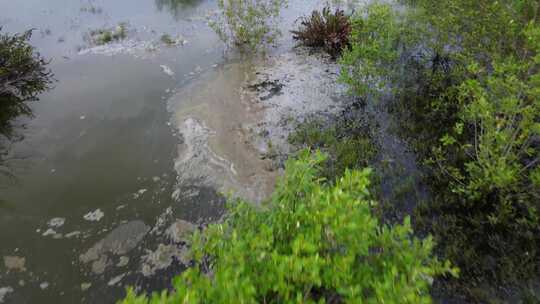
99	151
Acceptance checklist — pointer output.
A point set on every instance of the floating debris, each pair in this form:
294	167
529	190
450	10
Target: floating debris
85	286
116	280
118	242
124	260
139	193
162	258
54	234
4	291
167	70
72	234
94	216
161	220
56	222
15	263
44	285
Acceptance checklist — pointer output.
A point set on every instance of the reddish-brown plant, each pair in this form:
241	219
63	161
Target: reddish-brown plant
324	29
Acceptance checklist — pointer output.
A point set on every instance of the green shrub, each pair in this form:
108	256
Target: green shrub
248	24
167	39
347	143
313	243
326	30
23	75
465	76
105	36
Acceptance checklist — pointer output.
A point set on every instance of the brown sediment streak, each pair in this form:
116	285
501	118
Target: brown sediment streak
215	117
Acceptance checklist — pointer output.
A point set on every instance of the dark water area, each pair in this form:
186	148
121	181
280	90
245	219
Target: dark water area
100	143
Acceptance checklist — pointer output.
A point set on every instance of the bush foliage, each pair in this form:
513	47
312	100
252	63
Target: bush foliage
346	138
23	75
326	30
248	24
465	77
313	243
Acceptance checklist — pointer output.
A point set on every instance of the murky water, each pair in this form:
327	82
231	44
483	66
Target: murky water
101	139
133	136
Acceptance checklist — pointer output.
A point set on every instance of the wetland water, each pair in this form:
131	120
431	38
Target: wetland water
135	137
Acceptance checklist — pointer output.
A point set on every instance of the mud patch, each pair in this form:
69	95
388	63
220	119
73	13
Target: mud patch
292	87
162	258
118	242
180	231
214	116
15	263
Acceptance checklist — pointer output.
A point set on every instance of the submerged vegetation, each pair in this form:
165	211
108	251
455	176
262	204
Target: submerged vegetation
23	75
465	77
313	243
104	36
346	140
249	25
175	7
326	30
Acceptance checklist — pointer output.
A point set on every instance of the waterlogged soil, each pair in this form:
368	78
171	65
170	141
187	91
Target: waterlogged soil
137	143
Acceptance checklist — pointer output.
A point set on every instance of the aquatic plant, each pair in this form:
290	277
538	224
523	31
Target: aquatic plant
167	39
465	76
312	243
104	36
248	24
90	8
175	7
347	142
326	30
23	76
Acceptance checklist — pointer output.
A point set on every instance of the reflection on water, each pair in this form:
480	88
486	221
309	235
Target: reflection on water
23	75
176	7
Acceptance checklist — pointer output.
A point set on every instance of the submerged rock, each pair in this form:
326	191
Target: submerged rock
15	263
180	231
118	242
139	193
85	286
72	234
167	70
4	291
99	266
116	280
54	234
162	258
56	222
94	216
124	260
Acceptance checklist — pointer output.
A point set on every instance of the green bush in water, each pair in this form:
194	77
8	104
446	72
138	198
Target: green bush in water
249	25
23	75
347	143
466	74
313	243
